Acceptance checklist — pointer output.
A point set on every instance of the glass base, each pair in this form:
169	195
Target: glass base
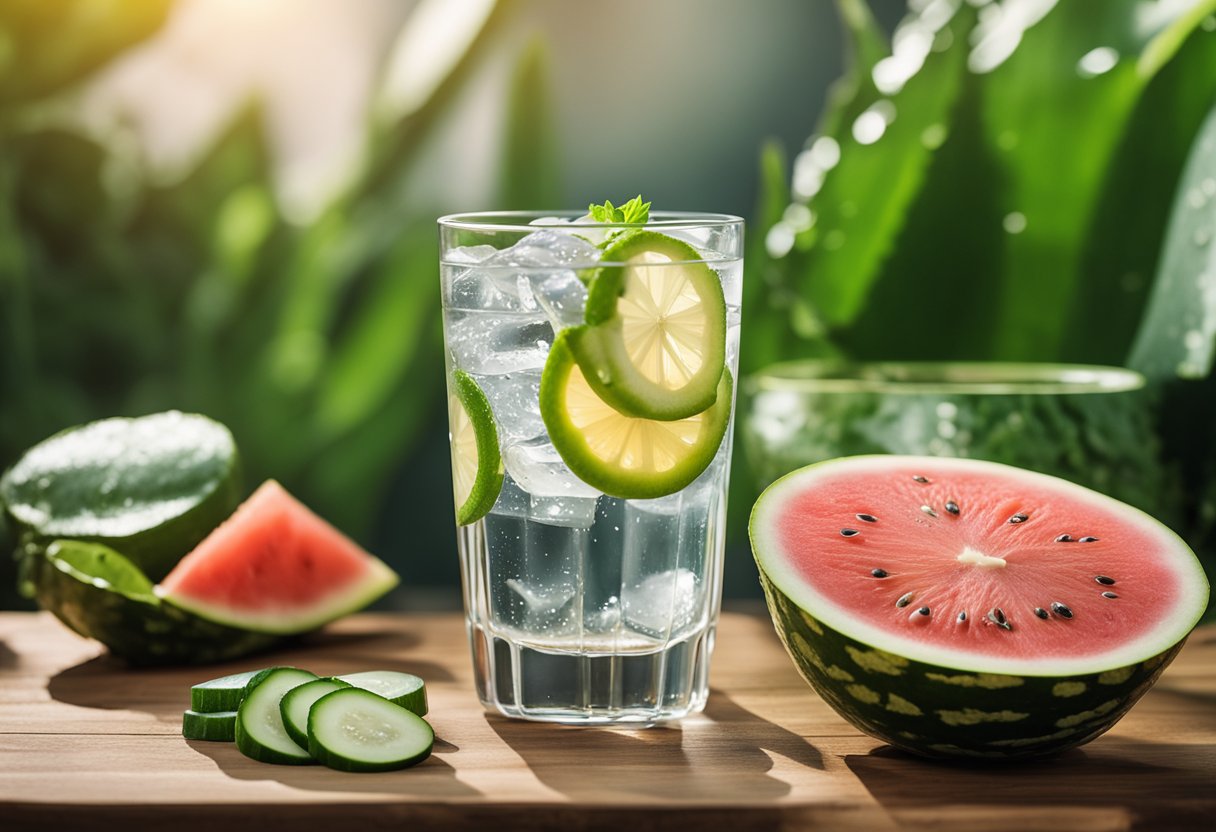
571	685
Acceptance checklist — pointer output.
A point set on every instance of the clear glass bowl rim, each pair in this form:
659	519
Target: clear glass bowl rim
820	376
488	221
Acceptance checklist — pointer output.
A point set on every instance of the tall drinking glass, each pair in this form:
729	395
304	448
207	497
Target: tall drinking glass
590	598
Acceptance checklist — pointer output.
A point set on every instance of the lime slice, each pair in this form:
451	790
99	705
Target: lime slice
625	456
655	344
476	462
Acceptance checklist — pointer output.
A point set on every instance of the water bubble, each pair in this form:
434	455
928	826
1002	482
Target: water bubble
798	217
871	124
946	410
934	136
808	175
1209	23
1208	186
869	127
779	240
1203	236
1014	222
833	240
1097	62
1196	198
1000	30
825	152
1193	339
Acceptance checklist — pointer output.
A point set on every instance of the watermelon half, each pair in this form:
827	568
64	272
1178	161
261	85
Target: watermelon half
275	567
955	607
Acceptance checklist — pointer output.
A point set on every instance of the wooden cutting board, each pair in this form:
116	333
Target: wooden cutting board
87	743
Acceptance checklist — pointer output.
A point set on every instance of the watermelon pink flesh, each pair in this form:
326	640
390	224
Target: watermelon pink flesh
978	561
274	566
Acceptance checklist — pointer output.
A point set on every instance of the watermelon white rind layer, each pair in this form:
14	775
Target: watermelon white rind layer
275	567
933	684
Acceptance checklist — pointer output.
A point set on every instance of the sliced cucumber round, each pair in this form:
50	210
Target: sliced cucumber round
260	734
356	730
294	705
477	470
625	456
219	726
655	342
404	689
222	694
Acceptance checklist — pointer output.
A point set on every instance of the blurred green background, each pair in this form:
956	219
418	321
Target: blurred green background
228	206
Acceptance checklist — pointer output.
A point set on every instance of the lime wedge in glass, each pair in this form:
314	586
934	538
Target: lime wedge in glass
476	462
625	456
655	341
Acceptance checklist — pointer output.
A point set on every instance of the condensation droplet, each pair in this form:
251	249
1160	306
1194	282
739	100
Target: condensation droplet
1014	222
1097	62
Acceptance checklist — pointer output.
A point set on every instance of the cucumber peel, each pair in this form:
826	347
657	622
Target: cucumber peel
404	689
295	704
218	726
356	730
260	733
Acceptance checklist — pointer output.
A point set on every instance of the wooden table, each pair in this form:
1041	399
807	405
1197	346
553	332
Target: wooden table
86	743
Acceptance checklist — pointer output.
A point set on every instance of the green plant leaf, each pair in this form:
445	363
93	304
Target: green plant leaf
47	44
1126	231
1055	110
531	162
862	204
1178	336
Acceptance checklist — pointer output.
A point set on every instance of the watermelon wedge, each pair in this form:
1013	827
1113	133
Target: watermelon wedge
275	567
964	608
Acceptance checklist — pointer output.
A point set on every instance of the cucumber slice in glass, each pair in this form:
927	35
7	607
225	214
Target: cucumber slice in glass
621	455
356	730
219	726
294	705
404	689
477	469
655	341
260	734
222	694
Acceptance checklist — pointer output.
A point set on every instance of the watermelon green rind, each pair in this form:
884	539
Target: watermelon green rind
272	523
1193	584
151	487
931	700
937	711
98	593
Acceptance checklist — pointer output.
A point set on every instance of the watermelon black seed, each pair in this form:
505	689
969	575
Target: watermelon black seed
849	532
904	600
1109	595
1105	581
878	573
1040	612
1061	610
928	510
997	616
952	506
920	479
867	518
923	611
1064	538
1088	540
962	616
1018	518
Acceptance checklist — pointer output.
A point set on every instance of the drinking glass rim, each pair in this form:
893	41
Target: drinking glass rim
825	376
519	220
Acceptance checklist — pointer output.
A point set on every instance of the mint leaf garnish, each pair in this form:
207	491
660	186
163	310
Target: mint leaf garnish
632	212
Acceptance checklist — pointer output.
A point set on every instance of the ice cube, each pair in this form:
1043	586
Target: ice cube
563	296
494	343
573	512
476	289
515	400
538	469
511	502
661	604
468	255
547	250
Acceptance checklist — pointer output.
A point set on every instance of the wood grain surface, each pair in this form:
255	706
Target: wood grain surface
86	743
